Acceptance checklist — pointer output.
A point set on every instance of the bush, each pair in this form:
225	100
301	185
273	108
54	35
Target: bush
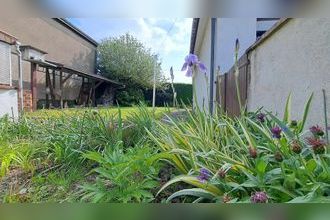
129	97
164	96
184	93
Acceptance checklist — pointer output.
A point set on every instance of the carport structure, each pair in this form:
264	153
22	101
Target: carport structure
90	82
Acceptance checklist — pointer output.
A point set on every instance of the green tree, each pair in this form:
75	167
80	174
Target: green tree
127	60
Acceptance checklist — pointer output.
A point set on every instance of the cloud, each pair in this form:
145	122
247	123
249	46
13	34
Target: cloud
165	39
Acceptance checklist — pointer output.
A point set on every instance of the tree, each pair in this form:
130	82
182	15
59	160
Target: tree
127	60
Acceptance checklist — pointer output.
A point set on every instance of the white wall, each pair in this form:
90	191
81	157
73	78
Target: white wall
294	59
200	82
8	102
228	30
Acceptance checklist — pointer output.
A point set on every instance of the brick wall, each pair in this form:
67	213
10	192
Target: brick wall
27	101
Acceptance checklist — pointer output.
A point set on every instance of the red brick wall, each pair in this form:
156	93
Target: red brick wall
27	101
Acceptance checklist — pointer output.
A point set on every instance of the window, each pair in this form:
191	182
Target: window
5	64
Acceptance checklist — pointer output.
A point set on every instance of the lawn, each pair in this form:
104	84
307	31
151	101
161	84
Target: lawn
134	155
73	112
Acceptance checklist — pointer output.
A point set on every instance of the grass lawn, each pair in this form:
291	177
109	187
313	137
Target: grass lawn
107	112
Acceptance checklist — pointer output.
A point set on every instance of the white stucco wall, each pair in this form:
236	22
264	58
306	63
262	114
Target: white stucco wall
8	102
200	82
294	59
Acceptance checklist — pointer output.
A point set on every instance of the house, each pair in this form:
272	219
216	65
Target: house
291	57
8	93
227	30
58	62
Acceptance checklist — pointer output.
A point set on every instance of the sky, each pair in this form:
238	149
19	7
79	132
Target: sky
168	37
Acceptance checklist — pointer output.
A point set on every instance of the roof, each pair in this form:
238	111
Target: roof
76	30
265	36
66	69
278	25
33	48
7	38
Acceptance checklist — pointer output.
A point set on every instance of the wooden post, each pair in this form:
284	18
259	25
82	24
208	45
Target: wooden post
34	86
61	88
50	89
47	87
93	96
53	89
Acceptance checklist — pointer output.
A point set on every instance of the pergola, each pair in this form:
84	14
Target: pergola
90	82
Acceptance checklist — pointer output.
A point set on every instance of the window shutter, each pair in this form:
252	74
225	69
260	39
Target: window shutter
5	63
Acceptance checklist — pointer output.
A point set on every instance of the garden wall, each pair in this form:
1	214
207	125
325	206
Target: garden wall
295	58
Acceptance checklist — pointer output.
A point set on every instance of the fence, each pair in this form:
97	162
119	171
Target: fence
226	93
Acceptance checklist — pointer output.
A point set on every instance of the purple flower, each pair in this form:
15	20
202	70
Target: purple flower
276	131
261	117
317	131
189	63
259	197
204	175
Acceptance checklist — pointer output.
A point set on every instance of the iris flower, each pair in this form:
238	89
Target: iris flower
190	61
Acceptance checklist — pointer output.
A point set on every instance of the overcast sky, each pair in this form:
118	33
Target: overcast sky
170	38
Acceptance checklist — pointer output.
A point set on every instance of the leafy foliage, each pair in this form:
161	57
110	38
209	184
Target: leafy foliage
164	96
243	157
127	60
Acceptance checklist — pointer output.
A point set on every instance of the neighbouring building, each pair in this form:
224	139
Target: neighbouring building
227	30
8	93
291	57
58	62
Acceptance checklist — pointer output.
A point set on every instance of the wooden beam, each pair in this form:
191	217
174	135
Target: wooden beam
66	78
34	86
93	96
98	84
51	87
61	88
47	87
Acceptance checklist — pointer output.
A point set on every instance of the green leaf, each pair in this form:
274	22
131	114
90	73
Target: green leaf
261	166
306	111
249	138
287	111
197	192
311	165
195	182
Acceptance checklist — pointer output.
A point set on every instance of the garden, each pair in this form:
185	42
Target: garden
145	155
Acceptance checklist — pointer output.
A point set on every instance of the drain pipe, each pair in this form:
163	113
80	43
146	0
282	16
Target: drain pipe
213	33
20	87
325	115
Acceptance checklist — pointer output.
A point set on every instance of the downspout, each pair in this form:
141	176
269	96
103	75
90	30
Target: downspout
213	33
20	75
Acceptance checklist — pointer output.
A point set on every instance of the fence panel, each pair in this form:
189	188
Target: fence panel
226	88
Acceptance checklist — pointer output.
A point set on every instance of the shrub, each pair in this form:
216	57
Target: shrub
129	97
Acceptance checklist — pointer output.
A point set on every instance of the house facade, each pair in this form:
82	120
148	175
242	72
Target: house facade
227	30
8	93
69	61
288	58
